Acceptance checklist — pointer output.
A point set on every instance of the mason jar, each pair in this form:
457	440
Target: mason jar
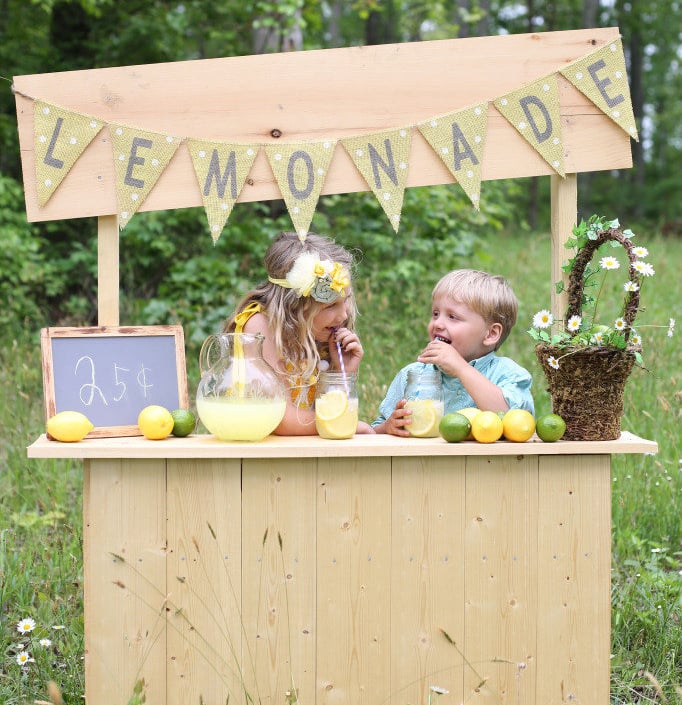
336	405
424	394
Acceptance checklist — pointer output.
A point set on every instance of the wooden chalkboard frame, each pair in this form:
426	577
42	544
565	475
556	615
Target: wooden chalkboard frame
49	335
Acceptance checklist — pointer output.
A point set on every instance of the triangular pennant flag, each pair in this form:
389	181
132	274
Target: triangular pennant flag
535	112
300	170
458	139
602	77
139	160
60	138
383	158
221	170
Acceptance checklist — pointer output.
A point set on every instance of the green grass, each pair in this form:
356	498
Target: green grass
40	508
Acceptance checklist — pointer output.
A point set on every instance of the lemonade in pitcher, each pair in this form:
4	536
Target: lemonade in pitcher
239	397
231	419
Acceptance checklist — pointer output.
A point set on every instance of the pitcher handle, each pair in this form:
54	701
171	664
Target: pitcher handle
205	362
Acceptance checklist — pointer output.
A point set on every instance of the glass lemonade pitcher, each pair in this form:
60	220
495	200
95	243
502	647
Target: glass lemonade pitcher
239	396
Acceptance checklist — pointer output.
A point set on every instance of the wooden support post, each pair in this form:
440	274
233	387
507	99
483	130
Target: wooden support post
564	205
107	270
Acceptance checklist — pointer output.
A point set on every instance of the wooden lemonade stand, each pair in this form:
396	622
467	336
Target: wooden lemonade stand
349	572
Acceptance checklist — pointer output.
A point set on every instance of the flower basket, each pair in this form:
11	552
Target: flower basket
586	375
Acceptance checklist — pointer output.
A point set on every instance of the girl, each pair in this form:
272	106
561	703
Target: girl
305	311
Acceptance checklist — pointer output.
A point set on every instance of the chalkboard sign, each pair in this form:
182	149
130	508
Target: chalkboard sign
111	373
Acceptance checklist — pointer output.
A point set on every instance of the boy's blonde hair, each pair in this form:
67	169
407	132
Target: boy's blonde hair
290	315
489	295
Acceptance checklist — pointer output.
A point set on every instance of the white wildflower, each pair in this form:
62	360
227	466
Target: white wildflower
573	323
543	319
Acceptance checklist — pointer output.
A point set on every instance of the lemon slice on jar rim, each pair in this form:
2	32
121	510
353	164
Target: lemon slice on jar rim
331	405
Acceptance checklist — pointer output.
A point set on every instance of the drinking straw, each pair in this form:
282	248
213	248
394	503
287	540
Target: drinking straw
343	369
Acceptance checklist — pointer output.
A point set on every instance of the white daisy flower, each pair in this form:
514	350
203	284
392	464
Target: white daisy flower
640	251
543	319
45	642
23	657
438	690
597	338
619	324
573	323
644	268
553	362
671	328
636	339
26	625
609	263
631	286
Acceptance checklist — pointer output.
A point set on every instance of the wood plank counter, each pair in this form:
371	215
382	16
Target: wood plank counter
358	572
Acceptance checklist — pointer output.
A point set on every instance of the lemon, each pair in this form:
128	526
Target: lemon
469	412
184	422
486	427
550	428
426	415
454	427
155	422
69	426
331	405
518	425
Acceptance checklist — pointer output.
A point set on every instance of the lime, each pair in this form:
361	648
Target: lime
184	422
155	422
331	405
486	427
469	412
454	427
518	425
68	426
550	428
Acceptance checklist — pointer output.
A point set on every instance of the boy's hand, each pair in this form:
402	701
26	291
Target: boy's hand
397	422
351	349
442	354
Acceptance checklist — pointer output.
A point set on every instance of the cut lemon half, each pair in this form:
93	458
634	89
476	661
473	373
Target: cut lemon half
331	405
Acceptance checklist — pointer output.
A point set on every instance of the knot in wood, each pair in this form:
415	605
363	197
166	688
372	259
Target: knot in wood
275	133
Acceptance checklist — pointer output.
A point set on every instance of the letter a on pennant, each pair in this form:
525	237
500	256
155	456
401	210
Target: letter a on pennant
458	139
535	112
383	158
300	170
139	160
60	138
221	170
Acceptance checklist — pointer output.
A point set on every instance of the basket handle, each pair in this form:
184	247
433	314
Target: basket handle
576	281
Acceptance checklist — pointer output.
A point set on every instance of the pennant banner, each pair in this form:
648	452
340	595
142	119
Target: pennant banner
139	160
458	139
535	112
601	76
300	170
60	138
382	158
221	171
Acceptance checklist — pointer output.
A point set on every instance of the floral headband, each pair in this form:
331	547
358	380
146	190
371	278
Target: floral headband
324	280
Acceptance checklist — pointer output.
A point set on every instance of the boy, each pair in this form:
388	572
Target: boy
473	313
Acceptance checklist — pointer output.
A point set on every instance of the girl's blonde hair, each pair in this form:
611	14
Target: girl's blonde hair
290	315
489	295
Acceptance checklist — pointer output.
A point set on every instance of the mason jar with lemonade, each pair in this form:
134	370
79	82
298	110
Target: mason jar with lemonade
424	394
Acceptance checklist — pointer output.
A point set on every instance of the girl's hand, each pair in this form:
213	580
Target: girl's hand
351	349
397	422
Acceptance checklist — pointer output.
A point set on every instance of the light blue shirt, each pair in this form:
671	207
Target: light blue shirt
510	377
